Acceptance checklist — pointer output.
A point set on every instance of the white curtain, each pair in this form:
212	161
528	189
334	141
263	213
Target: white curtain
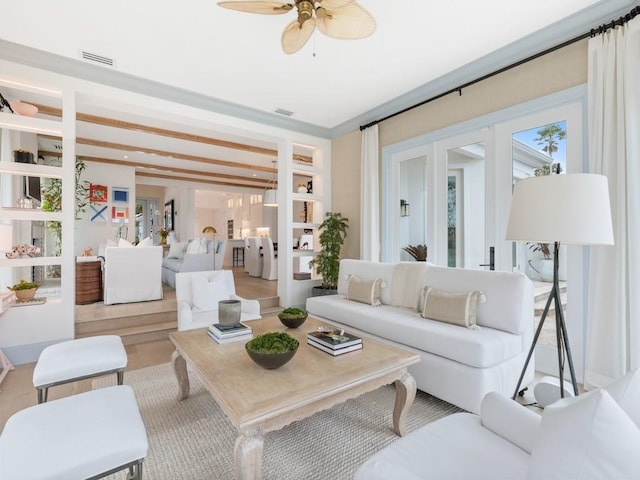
369	196
613	320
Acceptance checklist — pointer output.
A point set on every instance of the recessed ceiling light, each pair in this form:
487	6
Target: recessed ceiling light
125	156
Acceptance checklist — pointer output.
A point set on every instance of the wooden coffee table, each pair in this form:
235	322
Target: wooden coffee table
258	401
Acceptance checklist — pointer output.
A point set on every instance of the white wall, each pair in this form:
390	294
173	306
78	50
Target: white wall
91	234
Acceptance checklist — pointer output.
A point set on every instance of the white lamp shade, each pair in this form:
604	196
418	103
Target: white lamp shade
573	209
269	199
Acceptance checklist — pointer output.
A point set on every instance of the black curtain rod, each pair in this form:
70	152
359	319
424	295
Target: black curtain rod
592	33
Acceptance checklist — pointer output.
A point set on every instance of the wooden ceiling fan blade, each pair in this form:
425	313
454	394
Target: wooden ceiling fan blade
295	35
258	6
348	22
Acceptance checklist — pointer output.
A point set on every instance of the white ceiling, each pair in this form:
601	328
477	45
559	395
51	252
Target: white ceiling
205	56
236	57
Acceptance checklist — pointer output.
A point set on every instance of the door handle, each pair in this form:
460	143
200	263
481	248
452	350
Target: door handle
492	259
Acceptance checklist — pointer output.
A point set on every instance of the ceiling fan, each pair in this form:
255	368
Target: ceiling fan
344	19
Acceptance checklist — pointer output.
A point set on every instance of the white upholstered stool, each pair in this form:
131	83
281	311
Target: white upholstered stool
78	359
84	436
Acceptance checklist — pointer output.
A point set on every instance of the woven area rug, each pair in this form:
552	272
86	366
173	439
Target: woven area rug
192	439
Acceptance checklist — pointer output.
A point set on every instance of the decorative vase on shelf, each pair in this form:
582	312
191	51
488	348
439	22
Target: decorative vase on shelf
302	188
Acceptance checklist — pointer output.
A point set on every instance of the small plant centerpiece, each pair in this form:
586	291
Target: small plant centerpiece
327	262
293	317
272	350
24	290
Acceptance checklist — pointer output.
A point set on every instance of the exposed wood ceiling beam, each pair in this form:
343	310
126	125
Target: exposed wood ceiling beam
190	179
110	122
256	182
164	153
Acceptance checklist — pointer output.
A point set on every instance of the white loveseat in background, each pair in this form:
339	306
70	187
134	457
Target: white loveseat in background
132	274
183	257
459	365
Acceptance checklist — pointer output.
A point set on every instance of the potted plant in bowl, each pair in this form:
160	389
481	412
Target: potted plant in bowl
24	290
327	262
272	350
293	317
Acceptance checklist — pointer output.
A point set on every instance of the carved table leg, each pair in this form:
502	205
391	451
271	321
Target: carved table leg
405	394
180	369
248	454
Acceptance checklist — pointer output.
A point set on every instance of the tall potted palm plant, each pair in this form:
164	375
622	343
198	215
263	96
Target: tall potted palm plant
333	231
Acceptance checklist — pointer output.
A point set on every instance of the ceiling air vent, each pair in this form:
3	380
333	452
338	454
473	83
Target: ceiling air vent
282	111
92	57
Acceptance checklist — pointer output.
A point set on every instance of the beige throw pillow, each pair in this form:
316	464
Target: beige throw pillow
451	307
364	290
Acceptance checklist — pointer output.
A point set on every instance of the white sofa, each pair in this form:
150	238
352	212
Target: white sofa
198	304
593	436
459	365
132	274
180	260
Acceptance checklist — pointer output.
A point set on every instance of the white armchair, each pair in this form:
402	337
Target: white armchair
269	260
198	294
593	436
132	274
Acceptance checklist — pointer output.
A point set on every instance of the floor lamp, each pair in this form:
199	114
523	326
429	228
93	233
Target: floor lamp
572	209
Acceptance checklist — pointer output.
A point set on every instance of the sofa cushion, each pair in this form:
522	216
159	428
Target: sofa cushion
406	284
208	292
477	348
177	249
364	290
124	243
451	307
626	392
383	271
145	242
509	295
197	245
586	437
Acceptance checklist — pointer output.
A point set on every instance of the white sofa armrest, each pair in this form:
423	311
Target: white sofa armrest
247	306
185	315
510	420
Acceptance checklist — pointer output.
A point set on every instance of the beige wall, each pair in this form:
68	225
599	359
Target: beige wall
554	72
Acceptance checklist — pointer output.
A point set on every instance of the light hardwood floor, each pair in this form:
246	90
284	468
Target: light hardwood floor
17	391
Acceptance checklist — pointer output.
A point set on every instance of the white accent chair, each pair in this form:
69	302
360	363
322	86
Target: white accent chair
593	436
132	274
78	359
88	435
198	294
254	257
269	260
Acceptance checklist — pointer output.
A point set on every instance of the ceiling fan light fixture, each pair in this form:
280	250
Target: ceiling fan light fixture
342	19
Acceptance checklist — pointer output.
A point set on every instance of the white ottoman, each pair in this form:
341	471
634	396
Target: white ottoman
84	436
75	360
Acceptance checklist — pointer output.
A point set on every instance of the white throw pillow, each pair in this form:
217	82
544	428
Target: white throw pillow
124	243
586	437
197	245
626	392
111	243
176	250
145	242
207	293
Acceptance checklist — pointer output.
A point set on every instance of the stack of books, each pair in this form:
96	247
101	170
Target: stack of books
333	341
236	333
